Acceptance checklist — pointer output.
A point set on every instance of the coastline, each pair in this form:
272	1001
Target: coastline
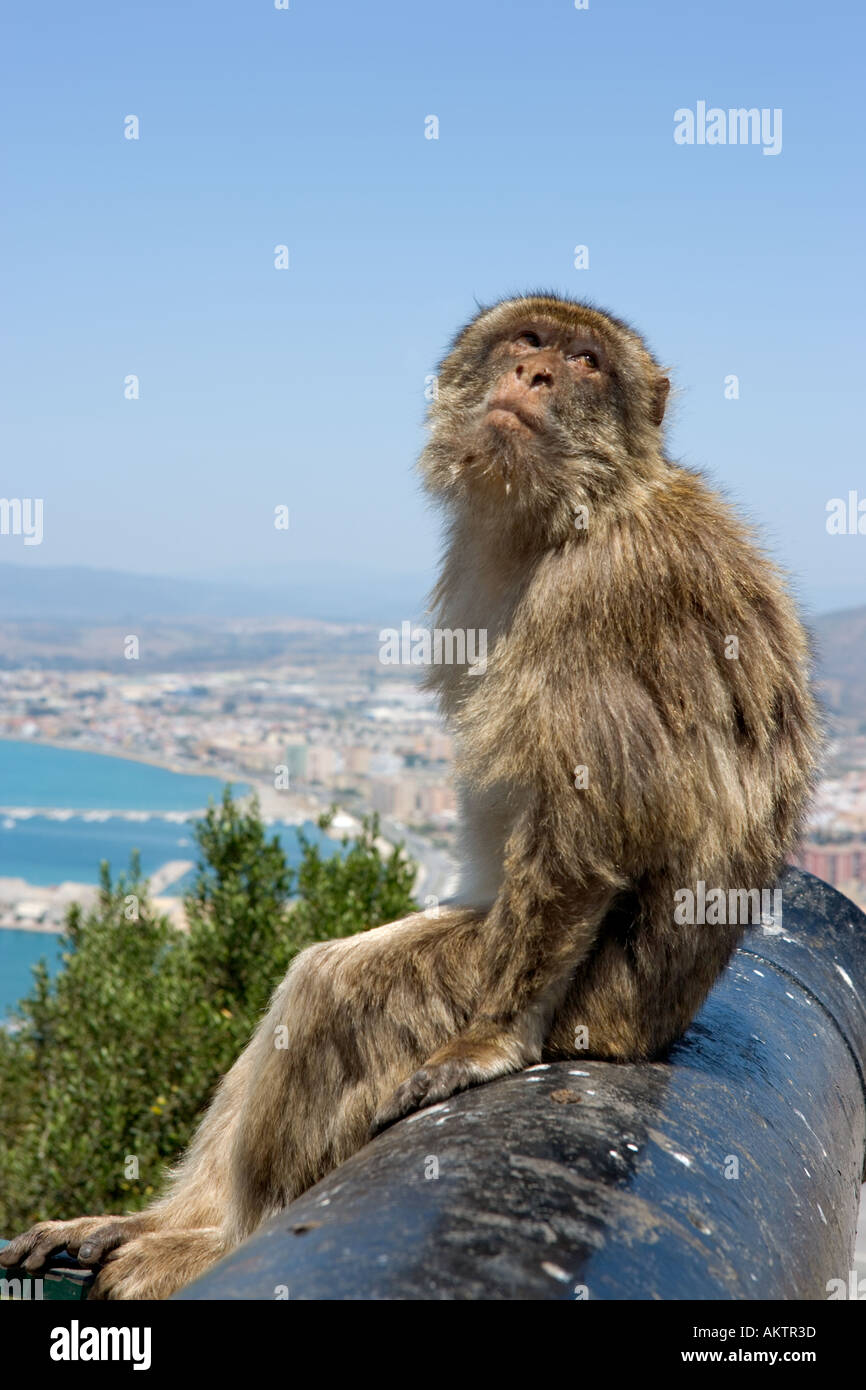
272	803
33	928
219	772
304	806
148	759
276	806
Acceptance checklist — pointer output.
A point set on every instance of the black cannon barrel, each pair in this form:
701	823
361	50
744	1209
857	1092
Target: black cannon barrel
731	1170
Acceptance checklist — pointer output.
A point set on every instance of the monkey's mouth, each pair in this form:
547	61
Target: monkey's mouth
510	416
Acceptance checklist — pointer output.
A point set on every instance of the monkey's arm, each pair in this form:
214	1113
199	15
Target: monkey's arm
528	731
536	934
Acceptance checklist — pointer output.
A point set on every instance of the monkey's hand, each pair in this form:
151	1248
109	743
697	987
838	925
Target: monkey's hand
486	1050
89	1239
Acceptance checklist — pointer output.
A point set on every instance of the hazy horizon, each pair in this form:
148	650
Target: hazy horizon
359	598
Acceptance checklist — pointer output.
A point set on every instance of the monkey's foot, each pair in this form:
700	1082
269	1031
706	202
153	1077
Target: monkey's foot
158	1264
89	1239
467	1061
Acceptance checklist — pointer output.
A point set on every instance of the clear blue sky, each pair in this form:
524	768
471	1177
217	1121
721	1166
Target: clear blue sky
306	127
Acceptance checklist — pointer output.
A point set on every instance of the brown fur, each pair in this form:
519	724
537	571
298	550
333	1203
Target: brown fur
607	651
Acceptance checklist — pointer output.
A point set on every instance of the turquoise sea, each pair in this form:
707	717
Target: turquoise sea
33	774
19	952
45	850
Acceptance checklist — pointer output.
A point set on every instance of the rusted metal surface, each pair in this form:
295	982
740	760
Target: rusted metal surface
732	1170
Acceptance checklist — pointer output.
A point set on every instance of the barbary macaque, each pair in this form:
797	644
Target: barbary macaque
644	722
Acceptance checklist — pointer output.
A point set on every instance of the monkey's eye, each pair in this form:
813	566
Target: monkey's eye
528	339
589	359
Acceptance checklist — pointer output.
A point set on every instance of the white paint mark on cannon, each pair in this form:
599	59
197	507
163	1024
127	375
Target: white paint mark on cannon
811	1131
430	1110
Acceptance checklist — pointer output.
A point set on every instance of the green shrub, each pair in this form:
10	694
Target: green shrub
109	1064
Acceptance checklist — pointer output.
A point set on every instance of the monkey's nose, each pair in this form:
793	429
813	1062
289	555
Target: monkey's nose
532	376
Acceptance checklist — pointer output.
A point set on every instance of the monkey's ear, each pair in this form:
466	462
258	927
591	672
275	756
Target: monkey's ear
660	398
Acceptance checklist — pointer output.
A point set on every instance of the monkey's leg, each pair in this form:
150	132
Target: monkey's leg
349	1020
157	1264
352	1018
539	930
642	985
198	1196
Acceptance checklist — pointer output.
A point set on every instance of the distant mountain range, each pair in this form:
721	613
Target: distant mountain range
98	597
840	650
73	616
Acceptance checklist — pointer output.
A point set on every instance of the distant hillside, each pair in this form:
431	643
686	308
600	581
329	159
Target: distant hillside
840	642
74	617
95	597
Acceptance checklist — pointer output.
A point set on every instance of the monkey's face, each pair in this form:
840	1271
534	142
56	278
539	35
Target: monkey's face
542	403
